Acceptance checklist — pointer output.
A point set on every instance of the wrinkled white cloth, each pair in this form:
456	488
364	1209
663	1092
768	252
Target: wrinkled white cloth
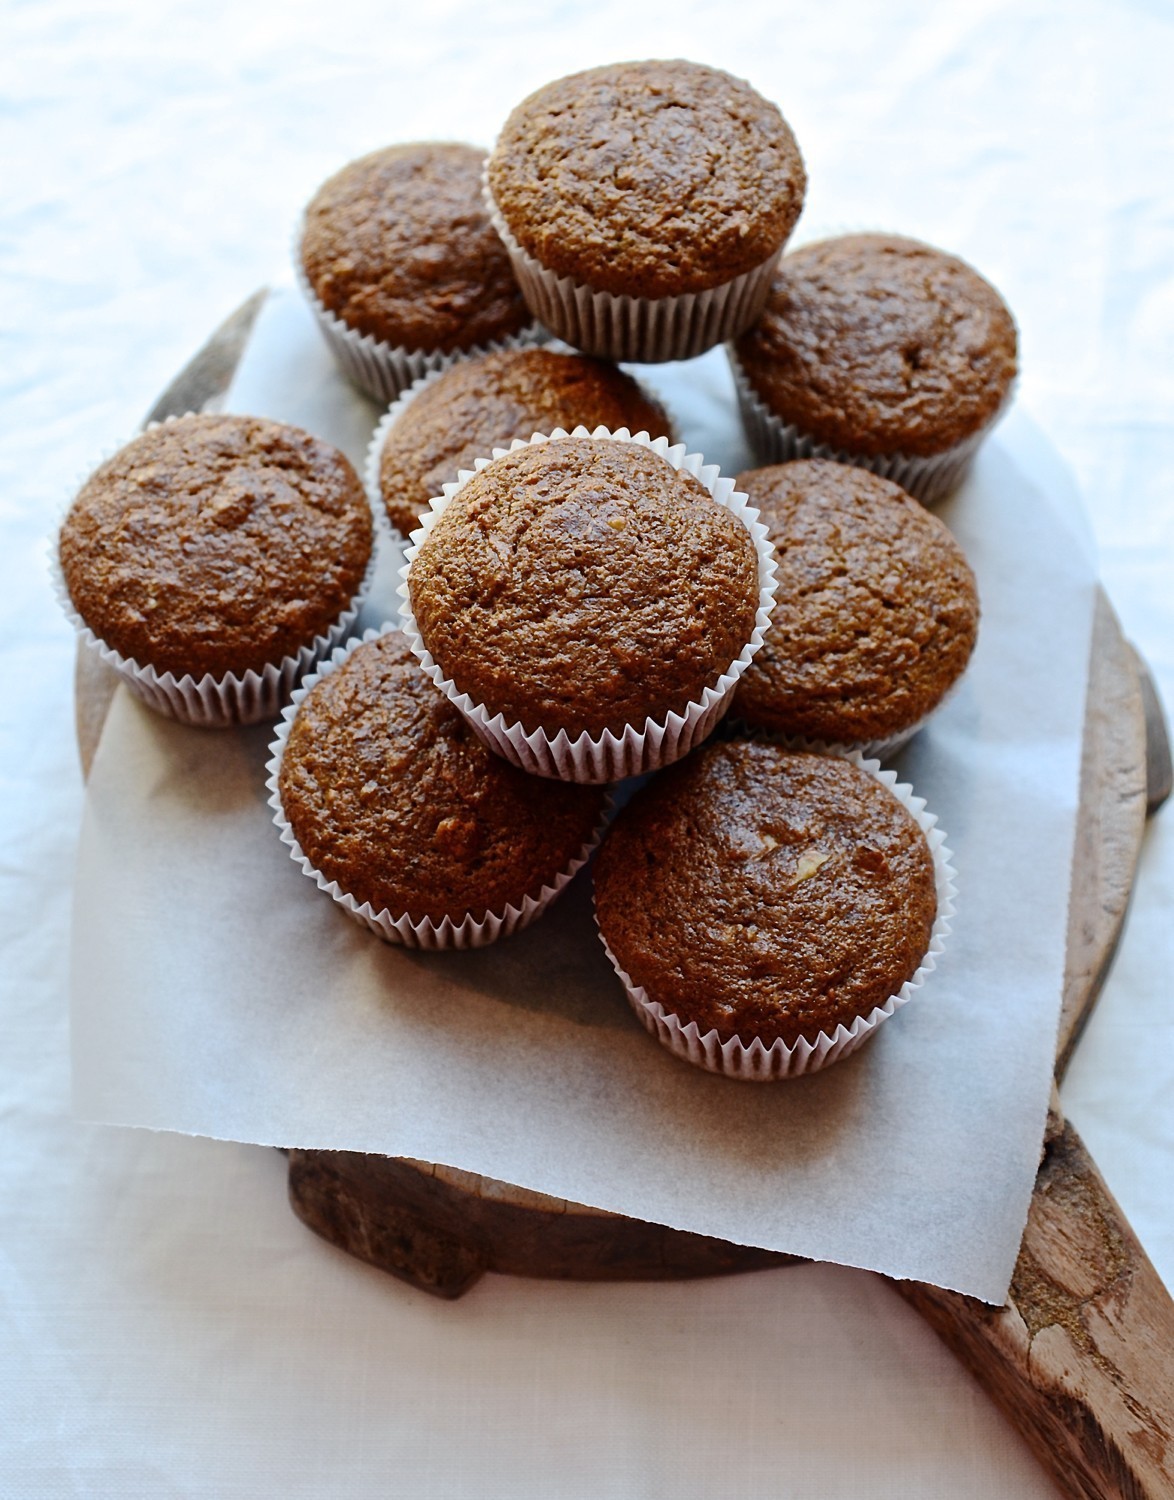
166	1326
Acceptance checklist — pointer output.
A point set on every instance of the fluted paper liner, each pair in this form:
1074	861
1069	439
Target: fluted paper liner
649	330
397	408
756	1062
210	701
381	369
643	747
777	442
468	932
877	749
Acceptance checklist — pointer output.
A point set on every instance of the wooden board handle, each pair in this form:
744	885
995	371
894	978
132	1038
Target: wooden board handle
1082	1356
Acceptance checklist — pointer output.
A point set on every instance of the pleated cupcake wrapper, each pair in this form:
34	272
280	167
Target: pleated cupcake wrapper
777	442
210	701
469	931
756	1062
871	749
877	749
397	408
384	370
644	747
647	329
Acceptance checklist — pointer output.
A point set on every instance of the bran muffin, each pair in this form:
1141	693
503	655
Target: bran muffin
482	404
584	585
652	181
398	245
391	795
874	348
877	608
764	894
216	545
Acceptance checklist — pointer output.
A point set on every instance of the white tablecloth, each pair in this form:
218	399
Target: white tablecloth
166	1325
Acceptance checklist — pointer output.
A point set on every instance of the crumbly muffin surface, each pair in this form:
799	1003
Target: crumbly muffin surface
585	584
651	178
399	245
766	894
216	544
876	613
482	404
391	794
875	344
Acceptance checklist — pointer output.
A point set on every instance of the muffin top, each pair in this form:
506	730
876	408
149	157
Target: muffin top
766	894
877	345
392	795
216	544
399	245
876	613
584	584
651	178
482	404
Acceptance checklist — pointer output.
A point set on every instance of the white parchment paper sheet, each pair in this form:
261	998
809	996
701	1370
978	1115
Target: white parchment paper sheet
217	993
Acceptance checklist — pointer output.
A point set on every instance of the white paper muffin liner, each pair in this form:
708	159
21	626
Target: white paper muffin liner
469	932
870	749
878	749
777	442
755	1062
655	742
646	329
210	702
384	370
397	408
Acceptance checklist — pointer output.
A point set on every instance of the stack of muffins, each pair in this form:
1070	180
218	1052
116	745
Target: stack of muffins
582	600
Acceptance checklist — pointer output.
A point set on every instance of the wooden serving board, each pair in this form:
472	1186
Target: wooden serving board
1082	1356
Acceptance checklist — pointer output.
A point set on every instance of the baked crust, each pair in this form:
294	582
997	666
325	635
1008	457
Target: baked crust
876	613
399	245
584	584
216	544
650	178
874	344
482	404
391	794
766	894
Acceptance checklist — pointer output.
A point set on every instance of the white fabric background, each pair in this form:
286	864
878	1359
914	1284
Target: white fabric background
166	1326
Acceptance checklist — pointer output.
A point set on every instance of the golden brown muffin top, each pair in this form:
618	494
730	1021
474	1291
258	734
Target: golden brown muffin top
482	404
875	344
399	245
876	613
585	584
766	894
651	178
392	795
216	544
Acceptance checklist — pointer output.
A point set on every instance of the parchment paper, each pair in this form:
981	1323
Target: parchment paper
217	992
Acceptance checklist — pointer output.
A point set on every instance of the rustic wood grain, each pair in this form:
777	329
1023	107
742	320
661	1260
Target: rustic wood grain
1081	1358
439	1229
1159	765
206	377
1110	827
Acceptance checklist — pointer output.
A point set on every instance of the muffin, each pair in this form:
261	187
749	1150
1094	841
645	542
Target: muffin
390	800
585	594
752	895
402	266
876	614
878	351
214	559
481	404
644	204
